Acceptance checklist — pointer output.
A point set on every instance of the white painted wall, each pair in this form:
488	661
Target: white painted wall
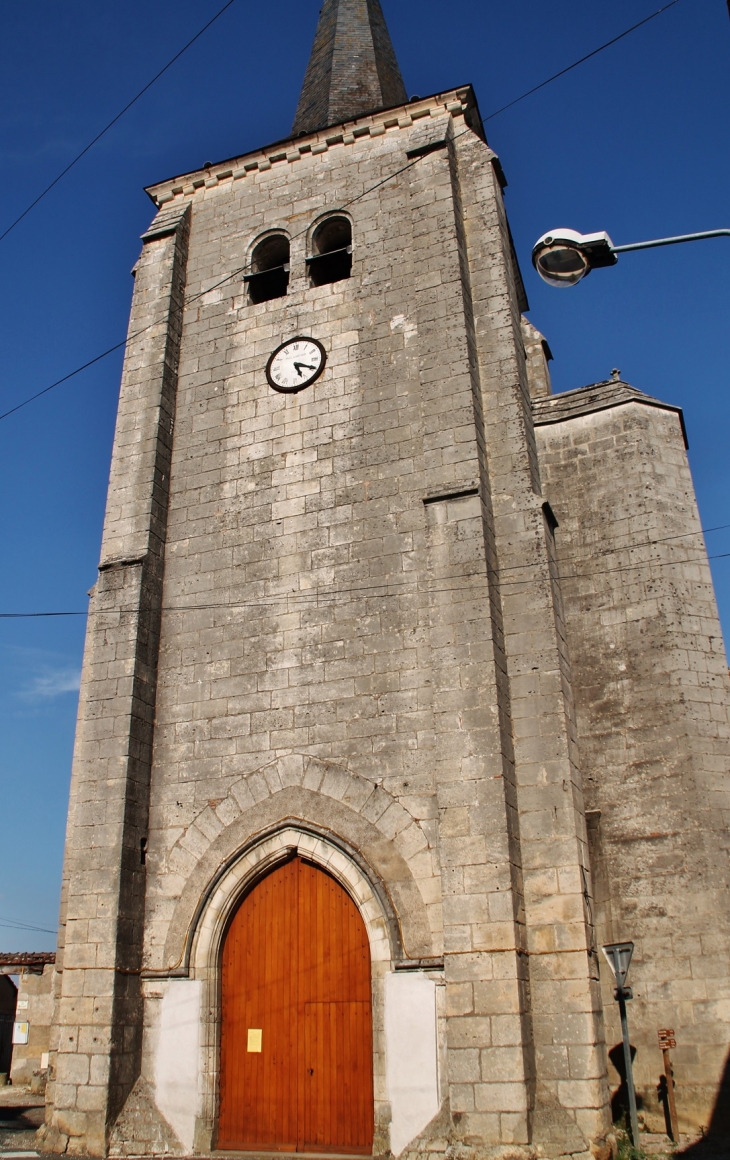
177	1057
411	1055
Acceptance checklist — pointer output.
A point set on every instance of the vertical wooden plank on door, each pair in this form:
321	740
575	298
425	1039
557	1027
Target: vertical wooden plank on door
272	1122
307	943
292	921
262	1117
281	937
306	1061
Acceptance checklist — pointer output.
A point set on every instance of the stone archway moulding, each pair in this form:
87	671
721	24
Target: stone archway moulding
367	827
262	855
186	1043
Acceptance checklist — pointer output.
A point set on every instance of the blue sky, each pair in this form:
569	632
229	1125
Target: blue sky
634	142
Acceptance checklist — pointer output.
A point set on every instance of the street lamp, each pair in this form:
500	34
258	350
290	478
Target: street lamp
563	257
618	957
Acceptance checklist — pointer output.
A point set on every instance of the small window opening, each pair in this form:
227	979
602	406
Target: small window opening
269	277
332	257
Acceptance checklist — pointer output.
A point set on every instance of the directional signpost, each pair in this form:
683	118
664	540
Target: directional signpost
618	957
666	1042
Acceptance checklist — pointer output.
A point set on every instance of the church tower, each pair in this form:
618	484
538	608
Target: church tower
327	882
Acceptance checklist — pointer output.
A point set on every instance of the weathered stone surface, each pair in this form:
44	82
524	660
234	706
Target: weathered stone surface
35	994
141	1130
98	1036
652	696
344	620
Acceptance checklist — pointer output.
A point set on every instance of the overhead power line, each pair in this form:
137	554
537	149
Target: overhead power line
375	591
583	59
113	122
15	925
187	302
130	338
71	374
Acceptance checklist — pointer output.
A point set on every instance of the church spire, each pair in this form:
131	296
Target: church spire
352	69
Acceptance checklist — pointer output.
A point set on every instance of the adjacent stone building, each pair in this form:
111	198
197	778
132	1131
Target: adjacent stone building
26	1014
35	1007
404	688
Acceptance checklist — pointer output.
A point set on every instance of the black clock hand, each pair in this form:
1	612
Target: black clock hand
307	367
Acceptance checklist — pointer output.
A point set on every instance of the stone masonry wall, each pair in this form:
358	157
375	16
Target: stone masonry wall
567	1034
36	991
298	532
335	600
652	694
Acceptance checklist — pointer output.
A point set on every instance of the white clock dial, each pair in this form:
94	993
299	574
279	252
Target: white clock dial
296	364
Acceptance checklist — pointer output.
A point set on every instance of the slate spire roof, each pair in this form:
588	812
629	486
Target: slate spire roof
352	69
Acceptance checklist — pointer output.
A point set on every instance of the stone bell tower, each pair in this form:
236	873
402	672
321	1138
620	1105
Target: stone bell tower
309	668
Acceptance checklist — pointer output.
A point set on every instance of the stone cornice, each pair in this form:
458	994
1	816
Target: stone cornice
455	102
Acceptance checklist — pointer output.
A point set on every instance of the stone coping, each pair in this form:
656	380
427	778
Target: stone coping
595	397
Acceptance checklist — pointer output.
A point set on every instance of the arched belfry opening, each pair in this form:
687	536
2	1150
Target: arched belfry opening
331	260
296	1041
269	275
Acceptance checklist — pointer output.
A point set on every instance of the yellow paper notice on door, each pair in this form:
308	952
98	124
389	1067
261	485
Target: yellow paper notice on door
254	1039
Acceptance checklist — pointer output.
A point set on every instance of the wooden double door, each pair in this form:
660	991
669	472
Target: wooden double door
296	1033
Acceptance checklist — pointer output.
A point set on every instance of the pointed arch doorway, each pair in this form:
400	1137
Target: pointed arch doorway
296	1028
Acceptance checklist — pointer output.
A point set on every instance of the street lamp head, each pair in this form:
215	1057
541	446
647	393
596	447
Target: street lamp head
563	257
618	957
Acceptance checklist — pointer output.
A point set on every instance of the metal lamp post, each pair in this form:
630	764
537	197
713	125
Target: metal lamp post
618	957
564	257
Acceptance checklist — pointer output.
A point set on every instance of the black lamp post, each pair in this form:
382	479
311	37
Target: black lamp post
563	257
618	957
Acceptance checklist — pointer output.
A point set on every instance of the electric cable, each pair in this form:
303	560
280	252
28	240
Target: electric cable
110	350
205	28
13	924
363	589
187	302
582	60
113	122
369	592
71	375
243	269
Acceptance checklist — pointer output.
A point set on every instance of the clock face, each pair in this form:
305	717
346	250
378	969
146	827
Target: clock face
296	364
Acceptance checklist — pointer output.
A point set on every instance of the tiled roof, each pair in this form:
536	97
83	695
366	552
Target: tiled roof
26	958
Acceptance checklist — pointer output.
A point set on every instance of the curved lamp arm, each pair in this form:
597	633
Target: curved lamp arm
671	241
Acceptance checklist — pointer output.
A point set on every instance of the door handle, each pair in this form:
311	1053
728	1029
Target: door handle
310	1070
